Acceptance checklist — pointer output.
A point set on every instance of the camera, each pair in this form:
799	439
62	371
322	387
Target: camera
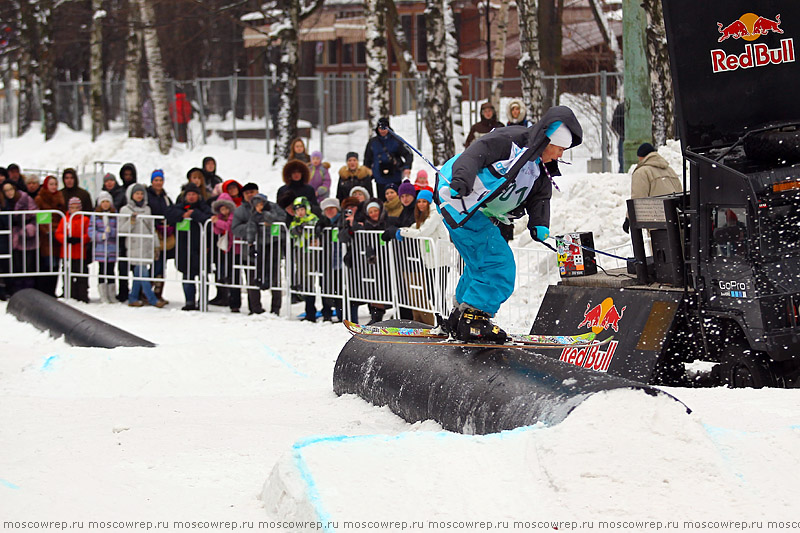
348	212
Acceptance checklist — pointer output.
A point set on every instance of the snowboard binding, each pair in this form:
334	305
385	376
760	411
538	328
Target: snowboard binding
472	325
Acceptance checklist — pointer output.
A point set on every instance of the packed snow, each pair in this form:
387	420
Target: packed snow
231	420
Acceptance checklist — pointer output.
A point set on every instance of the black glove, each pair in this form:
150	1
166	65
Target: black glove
389	234
74	240
460	186
348	259
507	231
252	252
626	226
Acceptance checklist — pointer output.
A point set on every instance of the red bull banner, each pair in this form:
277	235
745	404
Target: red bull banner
638	322
751	27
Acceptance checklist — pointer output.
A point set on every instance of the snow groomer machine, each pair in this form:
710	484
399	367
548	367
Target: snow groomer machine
715	301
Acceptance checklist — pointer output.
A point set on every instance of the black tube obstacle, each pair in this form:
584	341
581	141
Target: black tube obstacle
79	329
467	389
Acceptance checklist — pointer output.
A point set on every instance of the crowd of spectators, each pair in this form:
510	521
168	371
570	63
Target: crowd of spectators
376	195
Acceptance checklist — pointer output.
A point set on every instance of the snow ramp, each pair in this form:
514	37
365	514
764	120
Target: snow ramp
471	390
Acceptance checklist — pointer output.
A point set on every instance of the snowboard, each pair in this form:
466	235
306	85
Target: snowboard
435	336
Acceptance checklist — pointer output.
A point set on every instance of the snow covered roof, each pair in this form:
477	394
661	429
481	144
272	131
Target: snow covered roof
321	26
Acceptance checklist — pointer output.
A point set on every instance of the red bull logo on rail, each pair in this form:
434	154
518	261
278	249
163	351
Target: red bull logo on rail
602	316
599	318
750	27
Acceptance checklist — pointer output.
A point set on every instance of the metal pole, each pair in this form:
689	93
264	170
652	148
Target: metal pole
198	88
604	118
321	112
233	89
555	90
75	107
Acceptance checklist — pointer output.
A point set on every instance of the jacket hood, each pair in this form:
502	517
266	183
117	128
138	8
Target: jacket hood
133	188
523	111
653	159
291	167
224	199
228	182
538	136
70	171
132	168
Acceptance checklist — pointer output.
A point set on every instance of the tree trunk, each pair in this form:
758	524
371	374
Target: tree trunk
158	88
499	59
287	81
133	88
663	97
529	61
401	48
28	39
437	105
377	63
47	69
453	72
550	27
96	69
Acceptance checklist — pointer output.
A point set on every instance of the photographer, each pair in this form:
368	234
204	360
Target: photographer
389	160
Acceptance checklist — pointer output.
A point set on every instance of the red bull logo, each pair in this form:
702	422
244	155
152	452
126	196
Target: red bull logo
590	356
602	316
750	27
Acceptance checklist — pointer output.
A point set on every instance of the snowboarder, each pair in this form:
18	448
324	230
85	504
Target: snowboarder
498	178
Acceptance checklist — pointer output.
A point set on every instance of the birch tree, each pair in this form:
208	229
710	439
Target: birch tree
25	72
157	79
285	17
530	67
96	69
499	56
401	48
663	97
437	105
377	61
46	70
453	71
133	90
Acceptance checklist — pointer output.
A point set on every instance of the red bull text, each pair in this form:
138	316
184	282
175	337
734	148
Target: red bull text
590	356
750	27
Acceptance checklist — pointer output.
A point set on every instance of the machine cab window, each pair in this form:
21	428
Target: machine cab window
729	236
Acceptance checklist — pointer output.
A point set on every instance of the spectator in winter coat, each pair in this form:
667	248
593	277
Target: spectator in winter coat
210	171
199	178
303	254
32	185
129	176
112	187
297	151
15	177
487	123
517	114
388	158
320	178
49	199
141	245
159	202
23	235
103	233
392	205
181	113
408	196
265	249
71	190
421	183
618	127
652	177
3	175
331	258
188	215
296	176
232	188
73	234
222	223
352	175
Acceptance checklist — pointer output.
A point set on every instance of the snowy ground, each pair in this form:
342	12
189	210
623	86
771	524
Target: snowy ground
233	418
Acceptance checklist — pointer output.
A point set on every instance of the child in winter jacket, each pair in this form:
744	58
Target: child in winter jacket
222	221
305	258
140	229
320	178
73	233
103	233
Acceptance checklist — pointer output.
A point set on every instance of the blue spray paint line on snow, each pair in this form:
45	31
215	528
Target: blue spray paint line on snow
311	486
716	433
48	362
8	484
272	353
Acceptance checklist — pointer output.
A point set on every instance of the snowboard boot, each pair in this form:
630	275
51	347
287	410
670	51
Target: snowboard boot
450	324
475	325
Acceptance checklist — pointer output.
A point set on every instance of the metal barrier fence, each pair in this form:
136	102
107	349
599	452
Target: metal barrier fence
238	108
416	274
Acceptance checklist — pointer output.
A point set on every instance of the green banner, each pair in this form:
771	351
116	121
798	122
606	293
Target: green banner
184	225
335	235
427	247
275	230
44	218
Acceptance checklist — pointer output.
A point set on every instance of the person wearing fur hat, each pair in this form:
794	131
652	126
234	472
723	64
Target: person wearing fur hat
32	185
73	234
517	114
188	214
103	233
388	157
49	199
320	177
225	251
500	177
296	176
23	234
140	225
487	123
353	174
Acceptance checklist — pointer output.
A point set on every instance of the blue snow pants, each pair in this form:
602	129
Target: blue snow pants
489	269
